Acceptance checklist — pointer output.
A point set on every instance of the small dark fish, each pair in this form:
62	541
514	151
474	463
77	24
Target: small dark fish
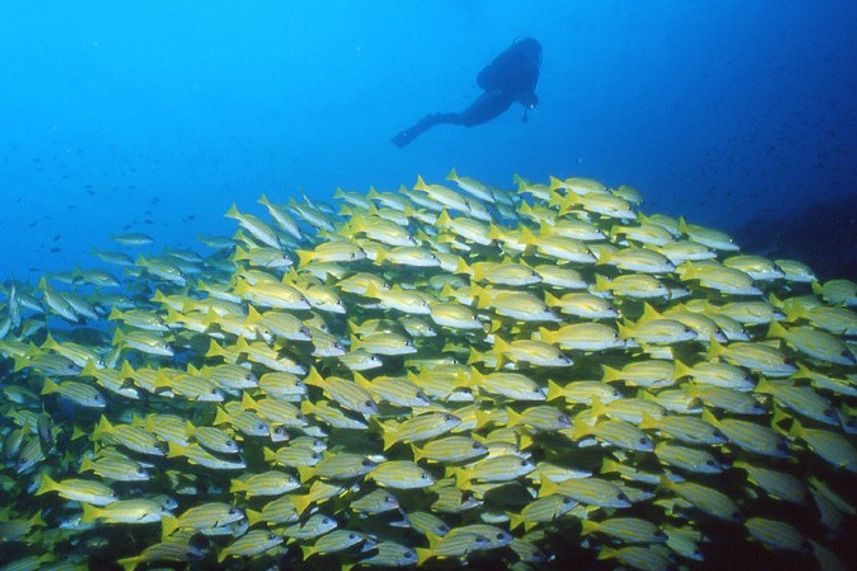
44	425
54	250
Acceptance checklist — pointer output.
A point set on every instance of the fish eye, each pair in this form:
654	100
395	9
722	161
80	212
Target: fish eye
711	463
500	536
563	419
271	537
214	391
447	417
525	463
233	511
278	430
718	434
829	412
261	426
644	440
622	496
316	456
352	536
388	499
423	476
367	462
567	501
407	554
369	404
141	470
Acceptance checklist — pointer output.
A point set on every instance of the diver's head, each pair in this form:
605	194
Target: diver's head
529	45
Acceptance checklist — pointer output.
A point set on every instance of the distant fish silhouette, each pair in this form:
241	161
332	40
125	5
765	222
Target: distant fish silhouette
512	76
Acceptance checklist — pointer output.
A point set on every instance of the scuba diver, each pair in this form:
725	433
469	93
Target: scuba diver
512	76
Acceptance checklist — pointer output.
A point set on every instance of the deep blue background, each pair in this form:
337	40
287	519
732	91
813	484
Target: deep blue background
117	113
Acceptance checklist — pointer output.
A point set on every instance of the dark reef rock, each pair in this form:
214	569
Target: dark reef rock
822	234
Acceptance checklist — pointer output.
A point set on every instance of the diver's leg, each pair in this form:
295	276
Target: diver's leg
487	106
424	125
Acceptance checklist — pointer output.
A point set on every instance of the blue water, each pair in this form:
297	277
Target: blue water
155	116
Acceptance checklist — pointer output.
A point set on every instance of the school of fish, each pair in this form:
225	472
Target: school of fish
442	375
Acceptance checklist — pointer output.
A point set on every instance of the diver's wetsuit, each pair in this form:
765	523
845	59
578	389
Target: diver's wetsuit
512	76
